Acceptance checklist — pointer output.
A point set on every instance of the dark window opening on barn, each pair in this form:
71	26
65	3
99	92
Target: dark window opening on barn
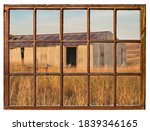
22	55
71	56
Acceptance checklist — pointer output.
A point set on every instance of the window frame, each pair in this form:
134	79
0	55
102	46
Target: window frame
142	40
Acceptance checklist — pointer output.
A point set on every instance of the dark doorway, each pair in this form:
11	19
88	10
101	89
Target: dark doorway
71	56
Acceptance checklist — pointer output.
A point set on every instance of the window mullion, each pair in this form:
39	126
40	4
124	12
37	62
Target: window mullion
61	57
34	55
115	54
88	53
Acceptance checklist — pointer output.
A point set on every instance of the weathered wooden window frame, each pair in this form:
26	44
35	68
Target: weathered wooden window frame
142	41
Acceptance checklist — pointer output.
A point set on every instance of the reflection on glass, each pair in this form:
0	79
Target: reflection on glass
48	57
21	57
21	23
48	90
21	90
101	57
75	57
75	22
128	24
101	25
128	90
128	57
75	90
48	25
101	90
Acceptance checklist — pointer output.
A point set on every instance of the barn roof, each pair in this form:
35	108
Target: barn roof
104	35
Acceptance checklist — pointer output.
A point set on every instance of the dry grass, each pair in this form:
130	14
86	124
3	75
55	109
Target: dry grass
21	90
75	90
131	68
101	90
128	90
48	90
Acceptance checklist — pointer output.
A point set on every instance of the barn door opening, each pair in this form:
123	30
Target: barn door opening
71	56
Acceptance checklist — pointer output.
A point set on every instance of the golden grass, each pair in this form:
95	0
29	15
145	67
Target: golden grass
128	90
101	90
75	90
130	68
48	90
21	90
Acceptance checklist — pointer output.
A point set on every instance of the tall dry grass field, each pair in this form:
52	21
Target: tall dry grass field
75	90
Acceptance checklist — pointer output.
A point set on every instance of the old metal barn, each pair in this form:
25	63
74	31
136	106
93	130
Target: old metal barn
74	54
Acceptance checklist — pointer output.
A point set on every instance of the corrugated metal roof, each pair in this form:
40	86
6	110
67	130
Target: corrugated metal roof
104	35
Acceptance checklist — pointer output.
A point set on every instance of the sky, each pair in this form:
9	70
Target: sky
128	25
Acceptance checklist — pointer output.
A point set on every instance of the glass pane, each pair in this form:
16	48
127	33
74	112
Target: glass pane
101	25
48	25
48	90
128	90
48	57
75	22
101	57
128	24
128	57
21	90
21	57
21	24
75	90
101	90
75	57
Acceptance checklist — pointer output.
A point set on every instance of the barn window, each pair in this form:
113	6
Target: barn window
71	56
22	55
74	56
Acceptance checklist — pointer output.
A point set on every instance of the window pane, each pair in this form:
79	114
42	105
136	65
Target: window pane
75	57
128	90
101	90
48	90
21	23
21	57
48	57
101	25
128	24
75	22
21	90
128	57
101	57
75	90
48	24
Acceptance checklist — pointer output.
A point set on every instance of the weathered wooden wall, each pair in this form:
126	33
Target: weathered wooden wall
15	56
28	56
82	56
101	54
121	55
48	55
